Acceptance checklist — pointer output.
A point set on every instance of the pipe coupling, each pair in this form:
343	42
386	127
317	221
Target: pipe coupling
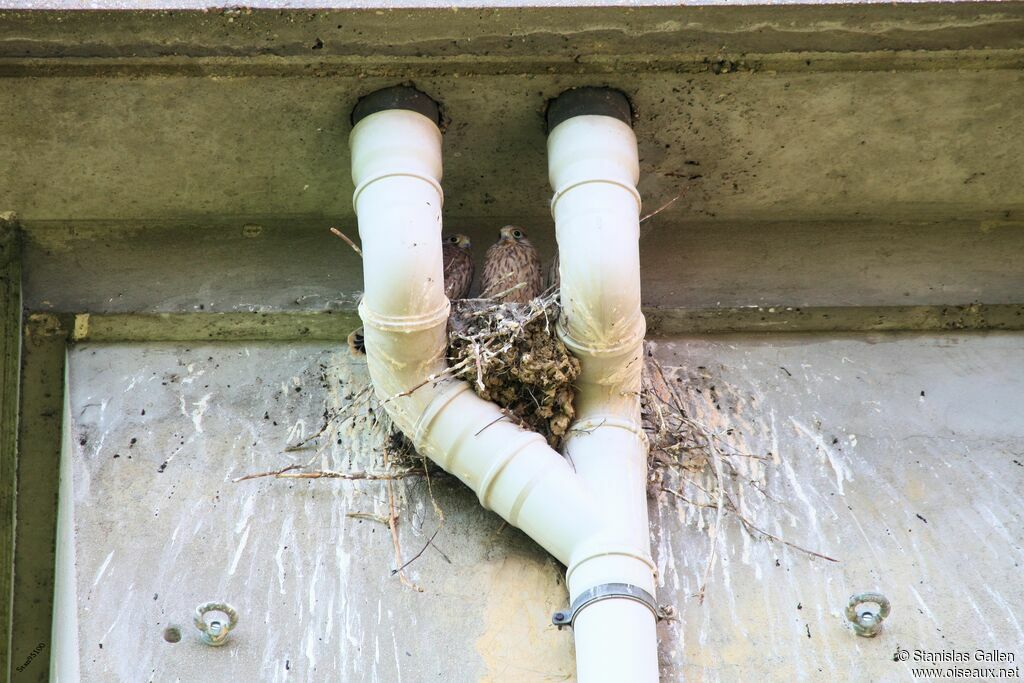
593	422
430	180
404	323
628	187
597	548
421	431
629	343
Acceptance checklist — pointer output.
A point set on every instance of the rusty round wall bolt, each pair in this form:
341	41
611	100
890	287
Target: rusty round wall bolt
867	622
215	633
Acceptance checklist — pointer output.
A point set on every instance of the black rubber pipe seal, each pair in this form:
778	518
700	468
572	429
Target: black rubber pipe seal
589	101
396	97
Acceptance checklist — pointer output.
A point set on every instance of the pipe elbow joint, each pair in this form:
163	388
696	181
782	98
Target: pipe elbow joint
593	166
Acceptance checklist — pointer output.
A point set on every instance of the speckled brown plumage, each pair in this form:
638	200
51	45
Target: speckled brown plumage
510	261
458	266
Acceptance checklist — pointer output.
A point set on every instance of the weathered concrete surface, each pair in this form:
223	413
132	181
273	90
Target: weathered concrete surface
835	155
571	32
401	4
896	454
692	264
160	433
824	156
920	147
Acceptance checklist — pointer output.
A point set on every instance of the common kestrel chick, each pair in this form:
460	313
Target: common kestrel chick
510	261
458	266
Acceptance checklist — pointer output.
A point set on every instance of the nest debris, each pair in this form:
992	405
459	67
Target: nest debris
510	354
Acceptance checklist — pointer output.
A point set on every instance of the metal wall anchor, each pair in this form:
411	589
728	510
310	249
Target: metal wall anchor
216	632
867	622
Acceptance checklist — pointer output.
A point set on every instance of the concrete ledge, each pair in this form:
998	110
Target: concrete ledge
335	325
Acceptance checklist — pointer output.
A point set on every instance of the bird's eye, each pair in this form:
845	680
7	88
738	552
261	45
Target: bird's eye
453	239
518	234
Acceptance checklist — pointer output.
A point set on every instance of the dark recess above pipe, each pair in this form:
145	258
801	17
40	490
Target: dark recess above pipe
396	97
590	101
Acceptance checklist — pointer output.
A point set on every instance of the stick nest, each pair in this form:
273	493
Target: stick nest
511	355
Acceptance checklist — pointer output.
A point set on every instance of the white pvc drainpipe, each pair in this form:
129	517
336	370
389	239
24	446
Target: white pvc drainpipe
591	514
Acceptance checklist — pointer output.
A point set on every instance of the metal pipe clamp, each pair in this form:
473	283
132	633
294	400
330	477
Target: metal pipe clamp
608	591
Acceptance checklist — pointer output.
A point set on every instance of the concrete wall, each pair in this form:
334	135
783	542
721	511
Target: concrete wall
845	165
897	455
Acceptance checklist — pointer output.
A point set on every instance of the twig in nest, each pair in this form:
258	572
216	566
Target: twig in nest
352	476
329	417
760	489
503	292
355	247
783	541
663	206
479	368
748	525
450	371
363	396
275	473
587	430
441	553
430	542
430	491
751	526
497	419
367	516
437	510
719	511
289	473
501	527
393	525
686	500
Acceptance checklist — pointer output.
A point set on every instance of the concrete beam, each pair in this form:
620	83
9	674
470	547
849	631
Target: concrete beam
836	155
518	32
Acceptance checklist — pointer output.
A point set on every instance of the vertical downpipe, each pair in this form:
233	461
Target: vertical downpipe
396	167
594	167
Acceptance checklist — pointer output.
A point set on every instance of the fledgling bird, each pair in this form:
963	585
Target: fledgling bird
458	266
510	261
458	276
